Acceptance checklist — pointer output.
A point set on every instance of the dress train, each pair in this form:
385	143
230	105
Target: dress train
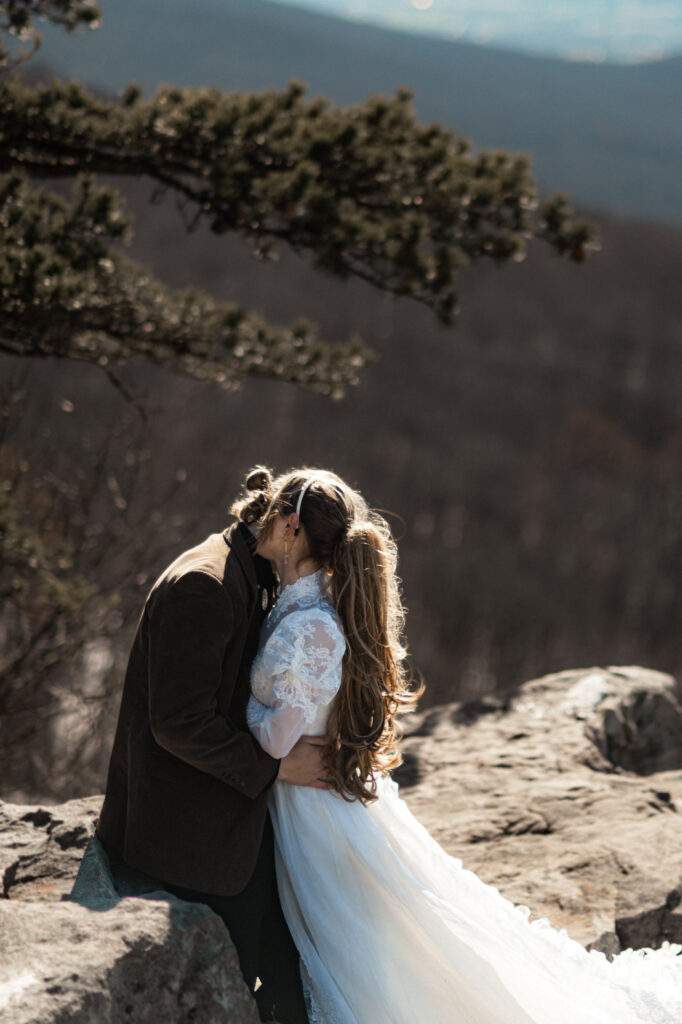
392	930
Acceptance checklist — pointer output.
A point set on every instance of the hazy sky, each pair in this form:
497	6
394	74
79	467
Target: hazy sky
620	30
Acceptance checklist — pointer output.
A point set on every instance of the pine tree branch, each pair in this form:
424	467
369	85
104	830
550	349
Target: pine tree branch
367	190
64	292
17	18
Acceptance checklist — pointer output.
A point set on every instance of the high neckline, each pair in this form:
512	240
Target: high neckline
303	590
310	582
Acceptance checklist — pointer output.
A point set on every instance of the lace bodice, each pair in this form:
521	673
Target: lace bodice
297	670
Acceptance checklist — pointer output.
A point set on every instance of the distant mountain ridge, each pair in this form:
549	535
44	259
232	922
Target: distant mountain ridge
608	134
582	30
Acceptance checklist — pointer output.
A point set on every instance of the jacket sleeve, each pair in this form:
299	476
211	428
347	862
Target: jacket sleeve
190	627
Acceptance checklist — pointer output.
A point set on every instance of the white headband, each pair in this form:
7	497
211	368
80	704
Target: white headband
305	487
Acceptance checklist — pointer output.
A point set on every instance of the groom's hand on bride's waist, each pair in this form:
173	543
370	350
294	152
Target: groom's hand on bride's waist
304	764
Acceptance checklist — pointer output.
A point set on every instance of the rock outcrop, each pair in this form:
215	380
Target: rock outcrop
41	847
138	960
566	795
146	960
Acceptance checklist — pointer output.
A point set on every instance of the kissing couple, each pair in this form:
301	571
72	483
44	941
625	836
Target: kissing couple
250	772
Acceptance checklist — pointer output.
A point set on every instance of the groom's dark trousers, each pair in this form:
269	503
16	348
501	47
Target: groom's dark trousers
187	788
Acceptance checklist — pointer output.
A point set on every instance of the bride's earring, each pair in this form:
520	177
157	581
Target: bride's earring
286	553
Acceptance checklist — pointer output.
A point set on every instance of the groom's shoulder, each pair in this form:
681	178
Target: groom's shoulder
209	557
213	557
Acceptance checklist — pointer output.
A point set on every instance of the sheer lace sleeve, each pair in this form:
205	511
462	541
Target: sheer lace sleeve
305	655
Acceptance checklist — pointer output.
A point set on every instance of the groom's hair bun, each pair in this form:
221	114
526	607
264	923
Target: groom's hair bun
255	499
259	479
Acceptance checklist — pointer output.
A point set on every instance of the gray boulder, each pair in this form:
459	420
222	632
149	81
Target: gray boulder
139	960
567	796
41	847
74	950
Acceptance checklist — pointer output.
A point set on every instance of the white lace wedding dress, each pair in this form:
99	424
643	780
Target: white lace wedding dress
392	930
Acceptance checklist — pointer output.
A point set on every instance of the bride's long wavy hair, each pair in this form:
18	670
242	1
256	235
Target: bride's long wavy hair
356	547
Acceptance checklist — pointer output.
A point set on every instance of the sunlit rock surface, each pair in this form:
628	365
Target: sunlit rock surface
149	960
140	960
567	797
41	847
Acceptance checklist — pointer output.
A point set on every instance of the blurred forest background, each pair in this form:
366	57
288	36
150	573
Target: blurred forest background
529	456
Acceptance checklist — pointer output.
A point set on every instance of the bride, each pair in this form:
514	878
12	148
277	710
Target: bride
390	929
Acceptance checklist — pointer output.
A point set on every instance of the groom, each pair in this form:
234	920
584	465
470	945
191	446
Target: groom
187	789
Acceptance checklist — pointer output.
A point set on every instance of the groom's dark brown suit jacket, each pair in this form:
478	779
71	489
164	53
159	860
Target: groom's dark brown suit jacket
187	789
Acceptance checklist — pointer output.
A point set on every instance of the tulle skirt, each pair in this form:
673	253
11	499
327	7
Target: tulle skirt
392	930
